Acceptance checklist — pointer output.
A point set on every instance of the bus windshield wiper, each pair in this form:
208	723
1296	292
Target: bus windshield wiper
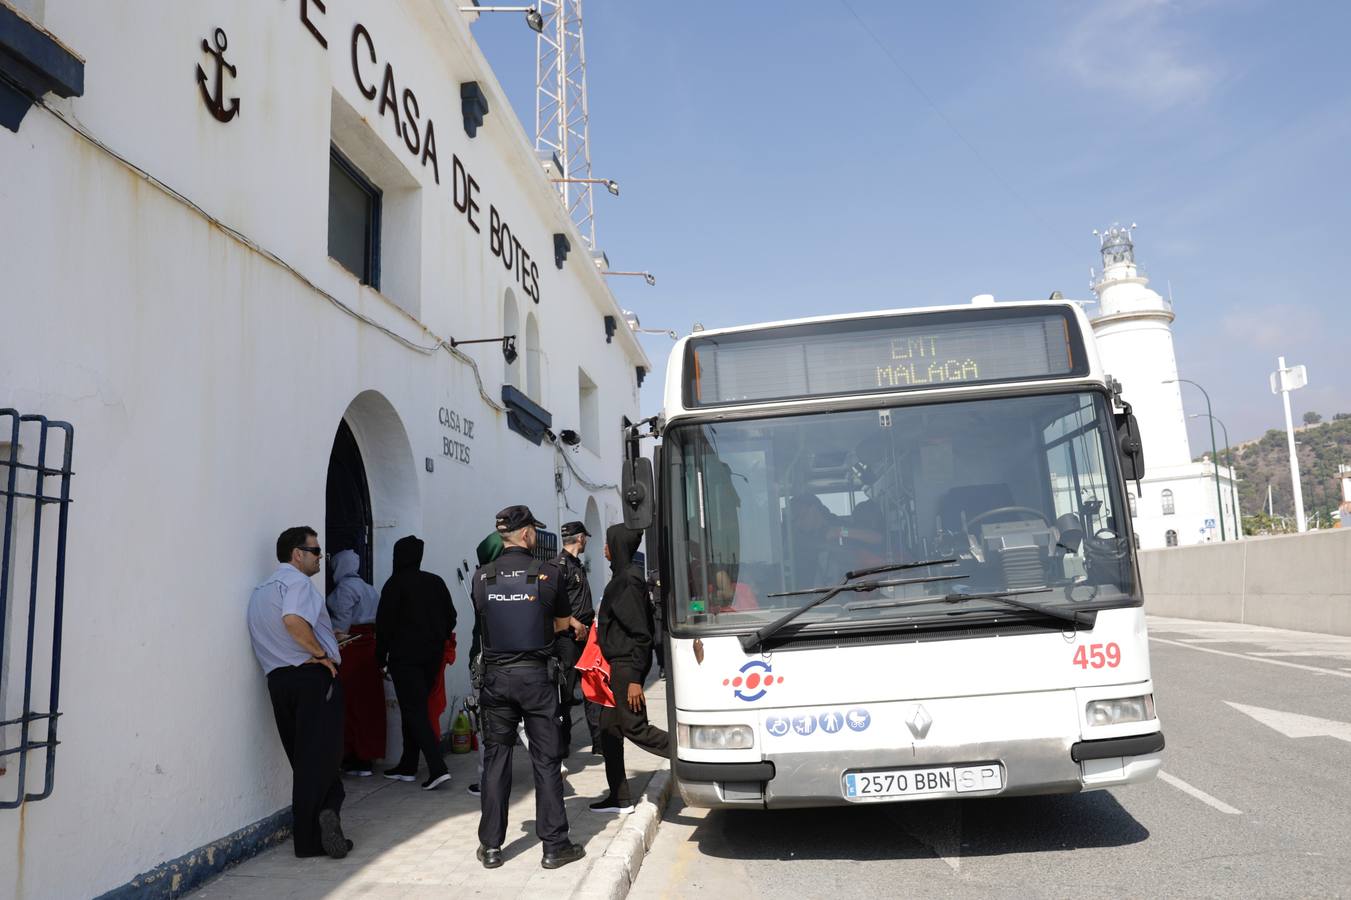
1007	597
752	642
1002	596
875	570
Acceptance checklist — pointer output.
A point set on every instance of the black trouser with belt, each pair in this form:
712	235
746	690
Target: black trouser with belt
307	703
413	683
619	722
568	652
510	694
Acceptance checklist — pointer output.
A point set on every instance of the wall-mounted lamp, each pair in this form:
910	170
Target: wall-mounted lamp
569	437
473	106
533	19
562	246
641	373
631	318
508	343
610	185
610	326
647	276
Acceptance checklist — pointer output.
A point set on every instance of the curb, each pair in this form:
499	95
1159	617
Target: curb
613	873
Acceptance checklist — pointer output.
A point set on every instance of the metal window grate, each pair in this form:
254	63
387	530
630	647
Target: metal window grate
22	544
546	547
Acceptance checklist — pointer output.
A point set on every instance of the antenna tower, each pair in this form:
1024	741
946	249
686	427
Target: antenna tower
561	115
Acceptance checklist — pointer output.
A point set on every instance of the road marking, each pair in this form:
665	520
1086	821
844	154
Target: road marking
1199	794
1270	662
1295	725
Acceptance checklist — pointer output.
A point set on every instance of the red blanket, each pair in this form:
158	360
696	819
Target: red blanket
363	697
595	672
436	703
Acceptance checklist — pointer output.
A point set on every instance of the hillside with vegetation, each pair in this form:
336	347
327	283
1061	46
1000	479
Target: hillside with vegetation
1321	445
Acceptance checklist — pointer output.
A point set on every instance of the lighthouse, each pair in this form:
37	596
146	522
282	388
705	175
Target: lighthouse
1134	328
1176	502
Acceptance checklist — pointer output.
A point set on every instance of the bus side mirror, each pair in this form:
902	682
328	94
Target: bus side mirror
638	496
1132	450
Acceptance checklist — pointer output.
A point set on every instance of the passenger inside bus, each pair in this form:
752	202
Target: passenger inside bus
730	595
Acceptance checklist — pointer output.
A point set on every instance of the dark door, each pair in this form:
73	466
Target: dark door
347	517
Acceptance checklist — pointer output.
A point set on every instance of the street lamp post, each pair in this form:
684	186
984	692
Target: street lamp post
1214	454
1233	473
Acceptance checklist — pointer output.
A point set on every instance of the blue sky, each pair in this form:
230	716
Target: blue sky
792	159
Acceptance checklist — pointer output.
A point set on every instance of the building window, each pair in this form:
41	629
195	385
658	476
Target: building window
353	219
1167	498
533	357
1170	538
588	403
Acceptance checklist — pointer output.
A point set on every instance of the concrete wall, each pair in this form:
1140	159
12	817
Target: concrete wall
1300	581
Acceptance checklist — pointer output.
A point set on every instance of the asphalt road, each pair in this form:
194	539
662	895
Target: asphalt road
1254	801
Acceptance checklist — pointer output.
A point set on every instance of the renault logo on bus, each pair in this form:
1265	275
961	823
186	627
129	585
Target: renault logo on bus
755	676
919	723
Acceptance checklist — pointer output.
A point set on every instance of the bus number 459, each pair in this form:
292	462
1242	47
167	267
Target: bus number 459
1097	656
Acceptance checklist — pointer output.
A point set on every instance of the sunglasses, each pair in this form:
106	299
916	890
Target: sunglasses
315	550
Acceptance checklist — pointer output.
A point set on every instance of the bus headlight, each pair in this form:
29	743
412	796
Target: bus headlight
715	737
1121	710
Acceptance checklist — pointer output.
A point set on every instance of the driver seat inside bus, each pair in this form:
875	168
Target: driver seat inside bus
961	504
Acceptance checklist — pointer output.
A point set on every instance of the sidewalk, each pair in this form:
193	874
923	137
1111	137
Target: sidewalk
412	843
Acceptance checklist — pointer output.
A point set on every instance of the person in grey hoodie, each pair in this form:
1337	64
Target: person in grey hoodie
626	637
352	605
415	620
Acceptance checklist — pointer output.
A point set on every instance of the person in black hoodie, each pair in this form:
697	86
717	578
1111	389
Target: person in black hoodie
415	619
626	637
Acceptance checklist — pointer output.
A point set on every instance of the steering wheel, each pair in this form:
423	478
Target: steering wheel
1003	510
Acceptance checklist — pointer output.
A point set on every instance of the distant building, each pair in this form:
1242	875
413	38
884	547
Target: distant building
1344	510
1175	504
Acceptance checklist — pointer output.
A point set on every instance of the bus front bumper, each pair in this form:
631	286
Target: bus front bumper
1042	766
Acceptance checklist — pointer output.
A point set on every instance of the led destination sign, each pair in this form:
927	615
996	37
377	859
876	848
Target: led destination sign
904	352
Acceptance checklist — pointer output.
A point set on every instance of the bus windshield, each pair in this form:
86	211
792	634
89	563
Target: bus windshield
1017	494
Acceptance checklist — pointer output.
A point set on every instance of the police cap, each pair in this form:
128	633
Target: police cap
572	529
516	517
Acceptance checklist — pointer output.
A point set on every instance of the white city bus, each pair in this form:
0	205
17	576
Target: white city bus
897	561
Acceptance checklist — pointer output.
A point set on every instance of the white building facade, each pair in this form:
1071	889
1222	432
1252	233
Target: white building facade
241	288
1176	503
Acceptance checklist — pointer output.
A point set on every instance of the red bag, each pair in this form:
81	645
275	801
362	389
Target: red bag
595	672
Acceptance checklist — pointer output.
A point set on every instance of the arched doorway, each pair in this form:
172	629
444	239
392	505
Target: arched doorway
348	524
598	570
394	505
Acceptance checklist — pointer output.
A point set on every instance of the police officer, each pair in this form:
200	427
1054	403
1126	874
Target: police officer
520	610
571	574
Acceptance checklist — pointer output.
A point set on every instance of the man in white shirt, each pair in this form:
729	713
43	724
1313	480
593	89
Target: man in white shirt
293	639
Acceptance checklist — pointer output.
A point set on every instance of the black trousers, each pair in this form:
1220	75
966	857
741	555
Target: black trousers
307	703
413	684
508	696
568	652
619	722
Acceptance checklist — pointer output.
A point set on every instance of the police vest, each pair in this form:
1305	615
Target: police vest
514	619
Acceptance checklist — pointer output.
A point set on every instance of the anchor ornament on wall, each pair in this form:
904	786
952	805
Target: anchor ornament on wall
216	104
